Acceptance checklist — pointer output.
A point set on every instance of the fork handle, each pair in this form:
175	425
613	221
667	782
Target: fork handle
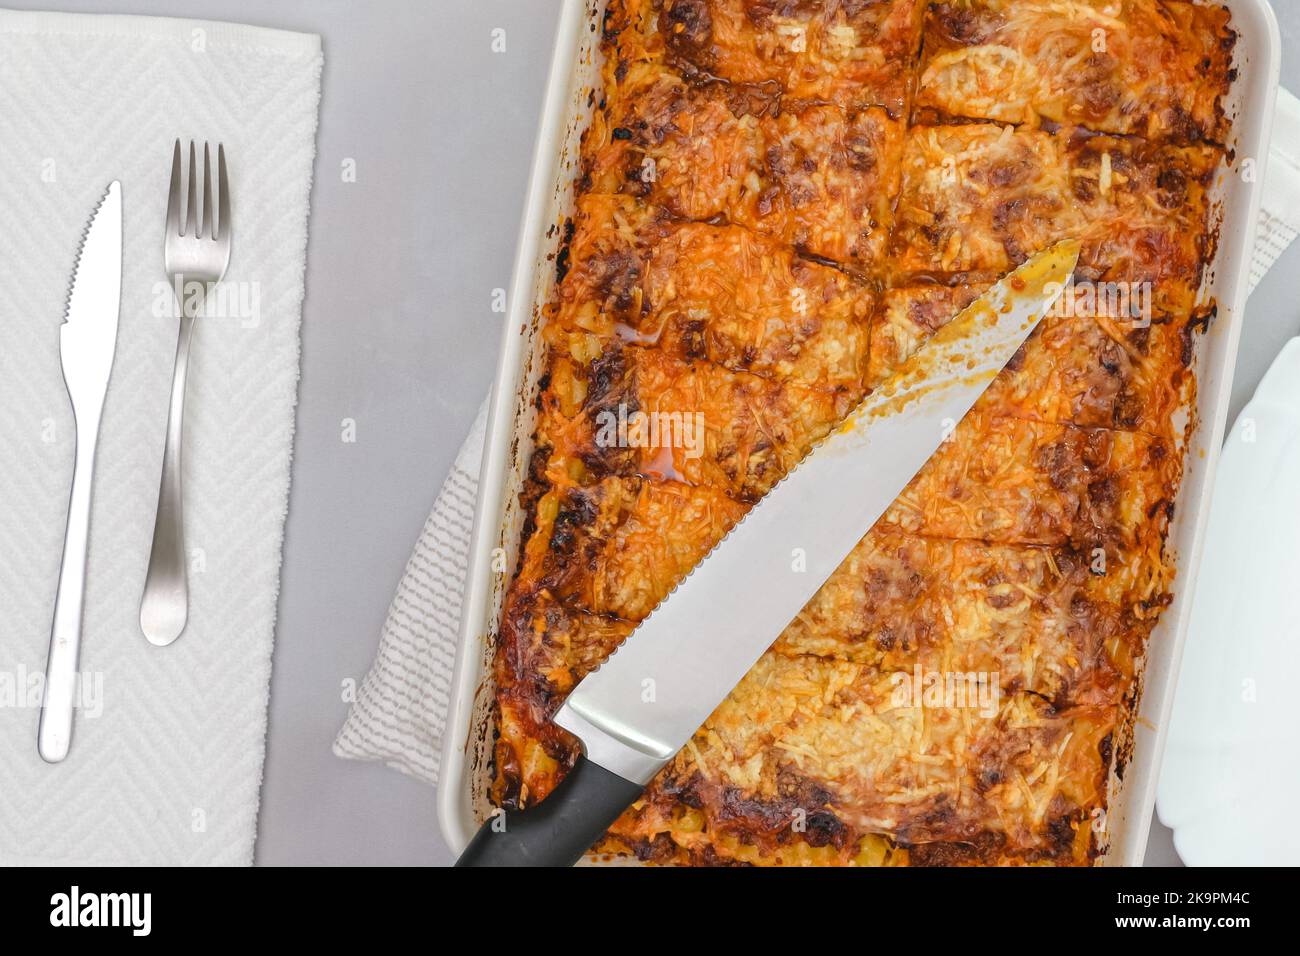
164	608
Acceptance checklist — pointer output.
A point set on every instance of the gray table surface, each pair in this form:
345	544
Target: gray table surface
398	334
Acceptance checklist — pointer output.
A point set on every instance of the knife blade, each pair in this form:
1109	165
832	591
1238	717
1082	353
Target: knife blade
642	705
87	341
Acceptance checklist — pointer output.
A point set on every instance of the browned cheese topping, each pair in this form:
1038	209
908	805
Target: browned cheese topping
779	201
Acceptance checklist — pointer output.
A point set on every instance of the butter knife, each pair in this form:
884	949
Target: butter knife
87	340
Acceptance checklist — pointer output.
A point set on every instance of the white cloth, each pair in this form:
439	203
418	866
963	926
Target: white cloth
401	708
170	770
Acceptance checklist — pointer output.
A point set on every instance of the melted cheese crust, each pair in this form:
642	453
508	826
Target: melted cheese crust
700	424
702	291
829	738
816	177
1152	68
1102	370
1003	479
766	229
846	52
981	198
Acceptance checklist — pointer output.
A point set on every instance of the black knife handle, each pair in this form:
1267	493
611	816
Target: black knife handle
560	829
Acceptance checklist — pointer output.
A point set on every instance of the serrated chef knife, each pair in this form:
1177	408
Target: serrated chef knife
697	645
87	340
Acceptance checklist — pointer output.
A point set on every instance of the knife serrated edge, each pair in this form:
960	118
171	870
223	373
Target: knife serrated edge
114	187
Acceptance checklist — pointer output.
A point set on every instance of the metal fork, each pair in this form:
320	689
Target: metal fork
195	257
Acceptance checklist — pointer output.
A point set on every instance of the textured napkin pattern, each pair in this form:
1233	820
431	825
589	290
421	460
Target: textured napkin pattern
401	709
169	769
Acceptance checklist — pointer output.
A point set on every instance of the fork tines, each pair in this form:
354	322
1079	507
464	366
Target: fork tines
209	229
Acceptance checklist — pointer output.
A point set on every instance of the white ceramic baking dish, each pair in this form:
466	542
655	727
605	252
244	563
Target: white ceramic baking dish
566	111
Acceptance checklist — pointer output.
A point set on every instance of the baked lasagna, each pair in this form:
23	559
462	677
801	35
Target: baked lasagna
779	200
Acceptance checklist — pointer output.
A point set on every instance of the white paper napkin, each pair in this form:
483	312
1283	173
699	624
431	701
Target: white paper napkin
166	761
1231	748
401	708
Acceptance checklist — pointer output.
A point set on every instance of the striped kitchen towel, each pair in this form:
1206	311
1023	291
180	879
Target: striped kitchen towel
401	708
